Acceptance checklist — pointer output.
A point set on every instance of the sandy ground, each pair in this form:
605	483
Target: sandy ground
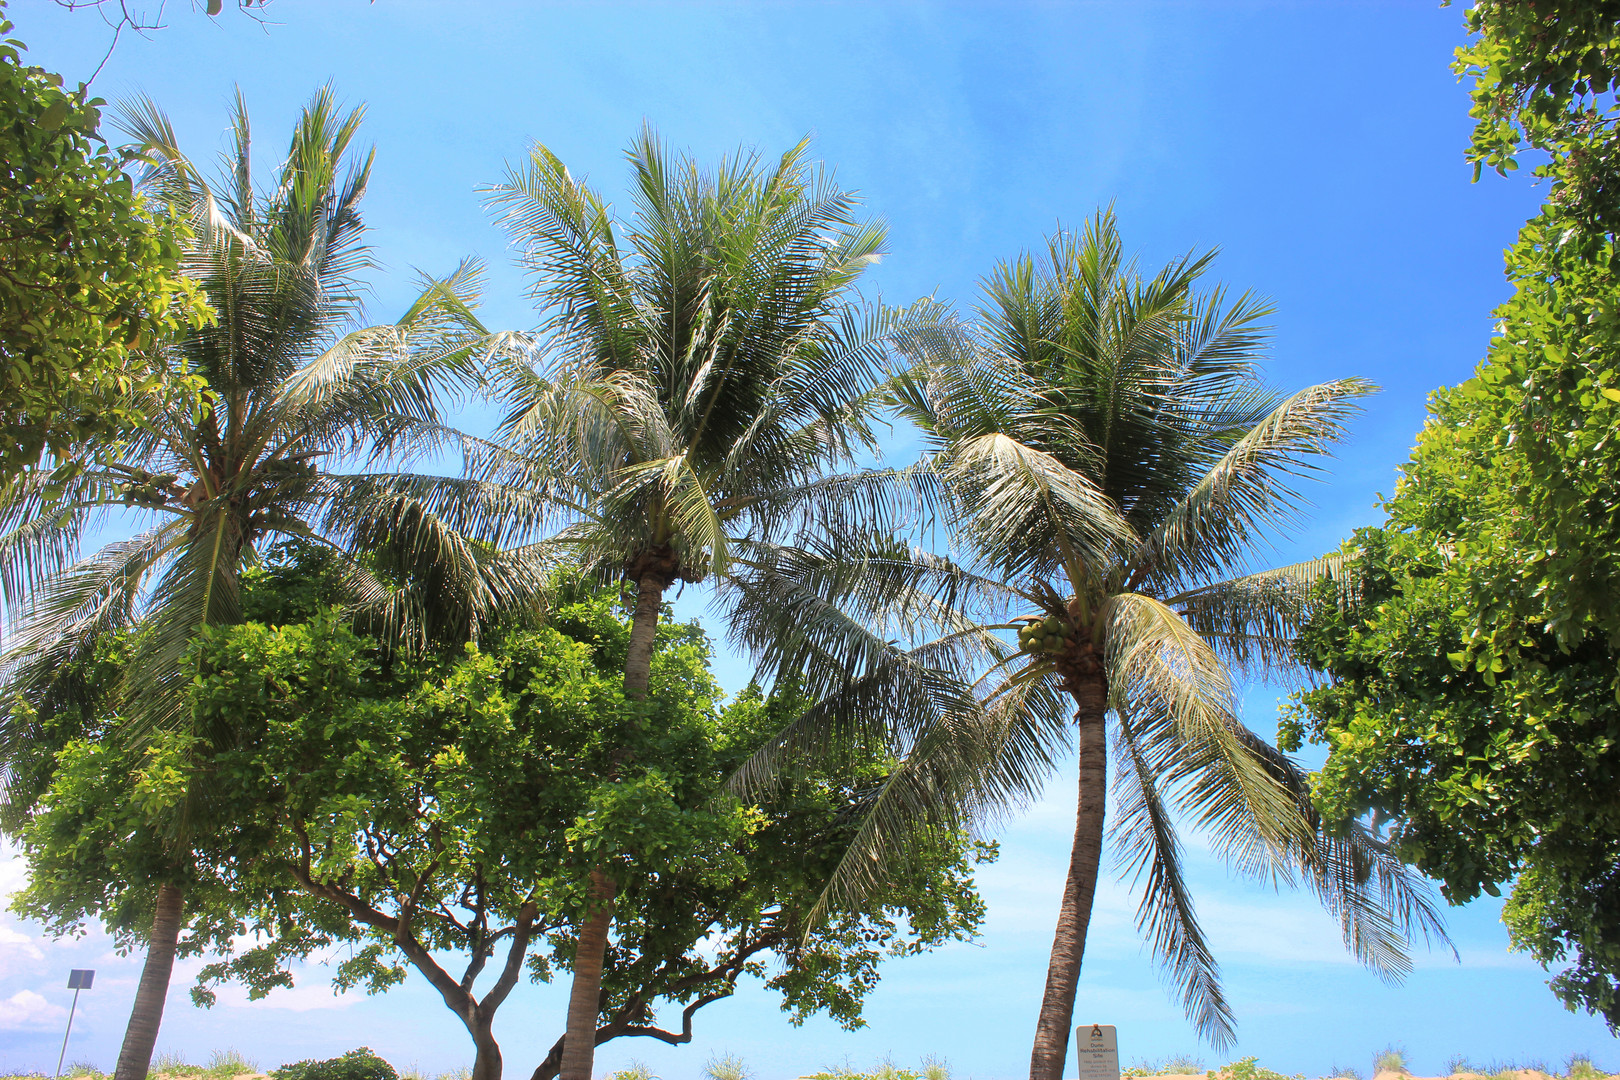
1520	1074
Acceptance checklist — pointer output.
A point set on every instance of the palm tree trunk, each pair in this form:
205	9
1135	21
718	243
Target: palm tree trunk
135	1057
643	631
1069	943
585	997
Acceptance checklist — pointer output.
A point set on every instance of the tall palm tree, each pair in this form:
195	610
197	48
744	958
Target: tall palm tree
1106	456
295	389
705	387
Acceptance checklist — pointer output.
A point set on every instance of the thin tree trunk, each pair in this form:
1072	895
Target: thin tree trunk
135	1057
1069	943
585	998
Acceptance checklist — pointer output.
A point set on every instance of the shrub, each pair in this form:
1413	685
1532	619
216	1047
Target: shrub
1345	1072
1175	1065
727	1067
1247	1069
635	1071
932	1069
1580	1067
1390	1059
359	1064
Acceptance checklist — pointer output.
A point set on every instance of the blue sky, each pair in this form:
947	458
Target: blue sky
1317	144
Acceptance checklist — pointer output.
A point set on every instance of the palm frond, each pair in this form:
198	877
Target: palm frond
1145	842
1253	620
1185	715
1247	493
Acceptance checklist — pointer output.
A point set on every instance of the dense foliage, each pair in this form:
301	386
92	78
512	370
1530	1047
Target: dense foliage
1472	695
1544	80
357	1064
89	272
456	806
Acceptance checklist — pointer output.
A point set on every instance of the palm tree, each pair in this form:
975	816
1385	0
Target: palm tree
707	371
1106	455
293	389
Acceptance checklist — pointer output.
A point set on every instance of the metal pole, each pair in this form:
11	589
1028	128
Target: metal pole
69	1031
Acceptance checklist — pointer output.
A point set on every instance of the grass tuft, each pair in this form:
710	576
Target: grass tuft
229	1062
726	1067
1580	1067
1390	1059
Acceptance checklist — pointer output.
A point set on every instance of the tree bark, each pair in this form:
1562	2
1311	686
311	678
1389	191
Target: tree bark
653	573
585	998
1069	943
135	1056
650	588
487	1055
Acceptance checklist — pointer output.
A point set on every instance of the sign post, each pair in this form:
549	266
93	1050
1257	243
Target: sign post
1097	1047
78	979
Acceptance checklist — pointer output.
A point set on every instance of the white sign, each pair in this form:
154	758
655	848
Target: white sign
1097	1047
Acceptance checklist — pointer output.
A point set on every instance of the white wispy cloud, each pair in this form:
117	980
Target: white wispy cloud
28	1011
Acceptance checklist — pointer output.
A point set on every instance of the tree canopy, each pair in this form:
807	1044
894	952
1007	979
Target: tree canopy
1472	706
89	274
457	805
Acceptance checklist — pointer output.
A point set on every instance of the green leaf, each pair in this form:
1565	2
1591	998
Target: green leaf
53	116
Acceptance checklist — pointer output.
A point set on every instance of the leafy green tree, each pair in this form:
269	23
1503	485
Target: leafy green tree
1470	703
292	390
89	275
1471	700
1544	79
458	806
1106	454
705	382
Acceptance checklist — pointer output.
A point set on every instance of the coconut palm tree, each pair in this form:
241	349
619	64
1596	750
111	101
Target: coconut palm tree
705	385
295	389
1106	456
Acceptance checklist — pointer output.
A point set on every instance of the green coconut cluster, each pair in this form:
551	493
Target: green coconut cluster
1048	635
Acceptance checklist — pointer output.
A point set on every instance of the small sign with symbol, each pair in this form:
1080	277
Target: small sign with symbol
1097	1047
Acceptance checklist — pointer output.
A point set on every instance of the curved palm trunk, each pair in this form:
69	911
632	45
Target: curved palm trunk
585	997
135	1057
1069	943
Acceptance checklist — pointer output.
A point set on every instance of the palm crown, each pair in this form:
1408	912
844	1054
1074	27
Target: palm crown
708	368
